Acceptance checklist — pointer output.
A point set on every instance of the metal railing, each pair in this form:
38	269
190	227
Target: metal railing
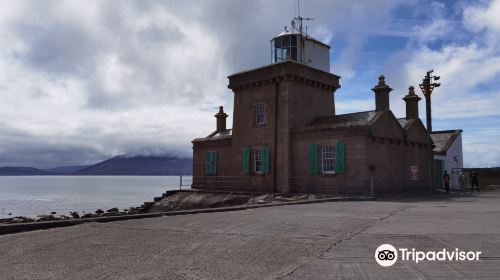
461	178
321	185
260	184
185	181
253	184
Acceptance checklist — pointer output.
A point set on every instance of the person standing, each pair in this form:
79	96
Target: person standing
475	181
446	179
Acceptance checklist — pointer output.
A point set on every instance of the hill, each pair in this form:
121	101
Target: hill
66	170
140	165
22	170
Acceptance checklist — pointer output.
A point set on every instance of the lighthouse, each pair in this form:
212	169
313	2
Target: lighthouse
294	44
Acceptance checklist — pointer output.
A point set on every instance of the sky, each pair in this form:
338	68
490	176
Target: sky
82	81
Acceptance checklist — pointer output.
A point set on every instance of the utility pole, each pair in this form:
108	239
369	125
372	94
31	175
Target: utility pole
427	86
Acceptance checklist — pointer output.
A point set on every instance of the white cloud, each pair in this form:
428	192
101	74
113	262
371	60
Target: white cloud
480	144
483	16
469	71
109	78
70	77
102	78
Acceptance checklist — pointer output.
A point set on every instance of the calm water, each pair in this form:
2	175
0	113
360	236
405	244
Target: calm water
33	195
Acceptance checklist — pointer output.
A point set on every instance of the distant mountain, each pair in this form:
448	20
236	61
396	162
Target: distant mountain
22	170
140	165
66	170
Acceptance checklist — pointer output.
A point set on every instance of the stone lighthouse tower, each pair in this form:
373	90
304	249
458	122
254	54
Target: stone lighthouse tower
271	101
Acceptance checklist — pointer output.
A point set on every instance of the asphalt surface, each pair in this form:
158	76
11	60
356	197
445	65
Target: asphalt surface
334	240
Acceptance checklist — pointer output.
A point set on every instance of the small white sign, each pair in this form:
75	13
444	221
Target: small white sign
414	173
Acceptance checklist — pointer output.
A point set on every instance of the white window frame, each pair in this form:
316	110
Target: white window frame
328	159
258	161
260	111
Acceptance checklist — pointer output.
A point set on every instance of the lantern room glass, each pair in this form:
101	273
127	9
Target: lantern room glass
284	48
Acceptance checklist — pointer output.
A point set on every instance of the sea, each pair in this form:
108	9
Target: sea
31	196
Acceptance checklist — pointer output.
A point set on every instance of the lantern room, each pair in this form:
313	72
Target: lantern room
292	45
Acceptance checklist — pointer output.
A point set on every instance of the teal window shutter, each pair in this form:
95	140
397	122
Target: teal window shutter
211	162
340	158
313	158
208	163
214	162
246	160
265	159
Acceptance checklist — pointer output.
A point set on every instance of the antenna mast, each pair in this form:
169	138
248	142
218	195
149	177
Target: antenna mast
299	19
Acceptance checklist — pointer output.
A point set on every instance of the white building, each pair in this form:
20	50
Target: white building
448	156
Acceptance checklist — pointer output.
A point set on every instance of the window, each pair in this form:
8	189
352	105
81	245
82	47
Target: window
260	114
211	163
331	158
328	159
257	161
284	48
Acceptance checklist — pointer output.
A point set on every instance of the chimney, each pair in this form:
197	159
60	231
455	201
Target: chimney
221	119
381	94
411	104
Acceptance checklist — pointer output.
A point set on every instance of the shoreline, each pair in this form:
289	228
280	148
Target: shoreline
54	216
29	197
199	200
173	201
31	226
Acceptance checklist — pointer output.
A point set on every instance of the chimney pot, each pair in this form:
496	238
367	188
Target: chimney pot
411	103
221	119
381	80
411	90
381	91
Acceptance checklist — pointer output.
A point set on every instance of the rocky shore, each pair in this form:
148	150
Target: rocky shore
172	201
198	200
73	215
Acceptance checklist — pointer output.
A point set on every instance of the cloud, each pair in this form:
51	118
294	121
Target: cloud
483	16
83	81
100	78
469	96
104	78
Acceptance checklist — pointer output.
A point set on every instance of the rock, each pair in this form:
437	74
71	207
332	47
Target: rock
88	215
75	215
113	210
135	210
99	211
44	216
53	213
264	196
261	201
47	218
285	199
22	219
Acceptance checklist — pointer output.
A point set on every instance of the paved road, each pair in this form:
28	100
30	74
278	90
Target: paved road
316	241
